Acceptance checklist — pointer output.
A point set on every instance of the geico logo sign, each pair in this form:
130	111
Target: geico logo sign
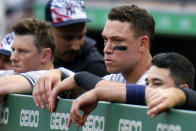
129	125
94	123
4	115
166	127
58	121
29	118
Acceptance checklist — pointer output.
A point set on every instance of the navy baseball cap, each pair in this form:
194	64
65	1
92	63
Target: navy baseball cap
5	46
65	12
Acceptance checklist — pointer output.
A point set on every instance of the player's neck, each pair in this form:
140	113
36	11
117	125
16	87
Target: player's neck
142	66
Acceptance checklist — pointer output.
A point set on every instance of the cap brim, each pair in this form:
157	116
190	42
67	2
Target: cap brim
69	22
5	52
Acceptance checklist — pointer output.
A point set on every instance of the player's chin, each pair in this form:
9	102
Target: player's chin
18	70
112	70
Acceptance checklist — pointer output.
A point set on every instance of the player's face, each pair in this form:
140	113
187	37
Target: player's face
25	56
159	77
69	40
5	63
120	33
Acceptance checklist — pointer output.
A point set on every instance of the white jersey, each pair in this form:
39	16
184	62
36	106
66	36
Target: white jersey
141	80
32	76
6	72
119	78
35	75
115	77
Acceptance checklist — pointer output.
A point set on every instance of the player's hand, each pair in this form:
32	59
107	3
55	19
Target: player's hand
43	87
86	103
162	99
68	85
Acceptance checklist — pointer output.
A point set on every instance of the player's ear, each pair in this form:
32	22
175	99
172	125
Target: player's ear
143	43
46	55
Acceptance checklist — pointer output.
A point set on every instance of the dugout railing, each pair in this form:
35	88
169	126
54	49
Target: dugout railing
19	113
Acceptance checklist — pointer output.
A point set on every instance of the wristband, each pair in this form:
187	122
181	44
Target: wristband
135	94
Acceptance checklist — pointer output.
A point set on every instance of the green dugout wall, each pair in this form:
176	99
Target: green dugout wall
20	114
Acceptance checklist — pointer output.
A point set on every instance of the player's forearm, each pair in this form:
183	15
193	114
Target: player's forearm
106	83
179	98
14	84
111	94
119	92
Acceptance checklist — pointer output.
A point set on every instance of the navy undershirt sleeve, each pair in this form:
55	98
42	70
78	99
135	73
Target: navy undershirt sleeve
190	103
86	80
135	94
